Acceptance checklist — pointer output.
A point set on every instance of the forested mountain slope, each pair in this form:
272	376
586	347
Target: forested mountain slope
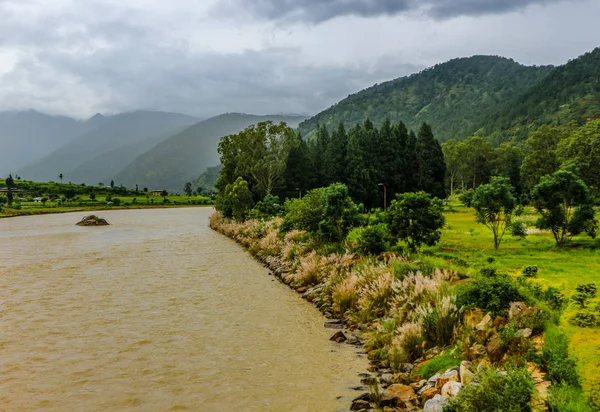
185	156
117	131
452	97
570	92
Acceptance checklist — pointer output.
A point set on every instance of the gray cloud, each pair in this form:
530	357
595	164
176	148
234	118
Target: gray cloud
317	11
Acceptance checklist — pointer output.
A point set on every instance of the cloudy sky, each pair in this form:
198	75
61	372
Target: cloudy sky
205	57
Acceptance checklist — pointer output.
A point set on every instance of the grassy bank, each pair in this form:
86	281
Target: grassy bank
422	314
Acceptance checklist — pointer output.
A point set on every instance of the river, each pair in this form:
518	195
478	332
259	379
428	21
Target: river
156	313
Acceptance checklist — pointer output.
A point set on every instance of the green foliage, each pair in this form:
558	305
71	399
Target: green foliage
580	151
439	324
585	319
440	363
566	398
373	240
518	230
494	205
236	200
588	290
563	201
466	197
416	218
530	271
555	355
492	294
187	188
268	207
116	201
328	213
495	392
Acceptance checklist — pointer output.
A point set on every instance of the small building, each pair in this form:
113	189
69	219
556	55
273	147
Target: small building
156	192
4	190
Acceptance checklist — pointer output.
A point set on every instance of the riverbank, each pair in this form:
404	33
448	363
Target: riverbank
89	208
428	333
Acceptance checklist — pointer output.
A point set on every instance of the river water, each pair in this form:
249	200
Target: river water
156	313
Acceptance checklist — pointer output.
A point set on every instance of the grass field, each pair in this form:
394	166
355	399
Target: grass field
467	246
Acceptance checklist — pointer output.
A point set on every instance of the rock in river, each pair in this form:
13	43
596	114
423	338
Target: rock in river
92	220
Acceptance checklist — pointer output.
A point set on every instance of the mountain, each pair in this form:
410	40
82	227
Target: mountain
27	136
183	157
102	168
113	133
570	92
453	97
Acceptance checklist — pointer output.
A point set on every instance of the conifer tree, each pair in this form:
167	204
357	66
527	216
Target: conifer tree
432	168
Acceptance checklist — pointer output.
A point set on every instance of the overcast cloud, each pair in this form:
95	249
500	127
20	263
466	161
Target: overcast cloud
78	57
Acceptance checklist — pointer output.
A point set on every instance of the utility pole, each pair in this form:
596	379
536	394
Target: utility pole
384	196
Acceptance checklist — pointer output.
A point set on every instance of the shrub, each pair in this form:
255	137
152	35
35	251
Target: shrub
518	230
492	294
495	392
589	290
373	240
530	271
116	201
402	269
377	294
466	197
345	293
308	271
585	320
269	206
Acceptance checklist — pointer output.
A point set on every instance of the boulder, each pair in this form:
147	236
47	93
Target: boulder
523	333
401	395
477	350
451	388
417	386
338	337
494	348
401	377
451	375
436	404
360	405
466	376
333	324
92	220
516	309
429	394
486	323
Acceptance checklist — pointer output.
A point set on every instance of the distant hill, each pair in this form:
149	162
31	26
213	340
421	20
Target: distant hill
207	180
570	92
116	132
453	97
185	156
27	136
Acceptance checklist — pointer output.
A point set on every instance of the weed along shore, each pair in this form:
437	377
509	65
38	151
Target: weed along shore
436	339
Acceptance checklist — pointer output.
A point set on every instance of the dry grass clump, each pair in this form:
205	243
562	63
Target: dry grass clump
440	320
308	271
345	294
378	291
295	236
408	341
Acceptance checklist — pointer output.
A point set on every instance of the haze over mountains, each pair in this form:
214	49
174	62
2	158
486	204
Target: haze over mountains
488	96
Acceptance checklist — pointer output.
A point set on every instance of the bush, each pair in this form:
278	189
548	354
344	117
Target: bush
439	322
116	201
269	206
589	290
466	197
492	294
402	269
530	271
440	363
373	240
495	392
585	320
409	342
518	230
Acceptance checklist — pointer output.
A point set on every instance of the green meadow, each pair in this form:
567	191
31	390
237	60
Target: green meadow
468	246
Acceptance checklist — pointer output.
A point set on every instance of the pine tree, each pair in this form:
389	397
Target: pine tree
412	163
432	168
335	156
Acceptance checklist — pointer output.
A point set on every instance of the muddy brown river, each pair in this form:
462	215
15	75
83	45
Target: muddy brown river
156	313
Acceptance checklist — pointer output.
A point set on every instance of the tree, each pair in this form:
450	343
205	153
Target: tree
236	200
541	158
563	201
334	164
477	157
112	183
432	167
416	218
60	176
494	205
164	194
92	196
580	151
258	154
10	183
187	188
454	162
